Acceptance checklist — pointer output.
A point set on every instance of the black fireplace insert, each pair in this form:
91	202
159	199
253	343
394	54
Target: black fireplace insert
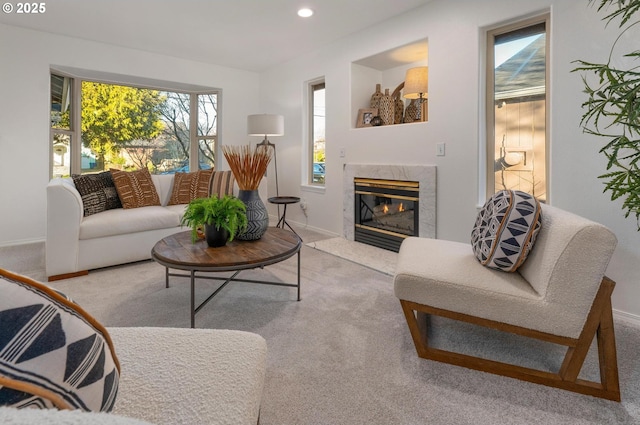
386	212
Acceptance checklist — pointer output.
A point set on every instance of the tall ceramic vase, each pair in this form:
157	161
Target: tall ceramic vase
257	216
386	108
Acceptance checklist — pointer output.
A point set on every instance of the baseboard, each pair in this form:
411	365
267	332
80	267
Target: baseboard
629	318
315	229
9	244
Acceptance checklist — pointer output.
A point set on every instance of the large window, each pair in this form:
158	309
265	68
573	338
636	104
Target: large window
517	108
130	128
317	134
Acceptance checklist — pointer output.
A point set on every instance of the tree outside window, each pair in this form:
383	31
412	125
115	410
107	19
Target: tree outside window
130	128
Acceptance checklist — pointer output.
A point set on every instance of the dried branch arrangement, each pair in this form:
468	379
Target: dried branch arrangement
248	165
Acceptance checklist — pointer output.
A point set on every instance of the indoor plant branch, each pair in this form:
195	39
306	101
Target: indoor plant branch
612	110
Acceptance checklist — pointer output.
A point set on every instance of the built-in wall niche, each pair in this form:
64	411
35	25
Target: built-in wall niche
388	69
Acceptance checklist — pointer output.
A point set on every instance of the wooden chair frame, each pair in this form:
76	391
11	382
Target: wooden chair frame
599	324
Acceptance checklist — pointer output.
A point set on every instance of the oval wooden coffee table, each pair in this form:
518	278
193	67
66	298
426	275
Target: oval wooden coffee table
178	252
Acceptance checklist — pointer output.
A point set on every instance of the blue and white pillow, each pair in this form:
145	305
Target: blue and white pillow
52	353
505	230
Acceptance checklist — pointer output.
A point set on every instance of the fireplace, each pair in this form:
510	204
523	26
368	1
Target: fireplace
424	175
386	211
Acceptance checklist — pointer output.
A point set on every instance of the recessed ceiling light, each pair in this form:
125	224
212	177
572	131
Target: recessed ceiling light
305	12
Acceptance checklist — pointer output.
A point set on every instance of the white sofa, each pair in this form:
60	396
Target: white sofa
175	376
76	244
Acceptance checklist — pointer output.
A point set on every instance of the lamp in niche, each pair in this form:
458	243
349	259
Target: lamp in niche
416	86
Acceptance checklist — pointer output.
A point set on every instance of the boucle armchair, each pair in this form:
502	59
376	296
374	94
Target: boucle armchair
559	295
174	376
55	355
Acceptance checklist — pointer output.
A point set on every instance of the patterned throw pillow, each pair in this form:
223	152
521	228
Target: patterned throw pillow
189	186
135	188
97	191
222	183
506	229
52	353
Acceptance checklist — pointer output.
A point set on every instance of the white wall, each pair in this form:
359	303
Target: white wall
454	30
26	58
455	33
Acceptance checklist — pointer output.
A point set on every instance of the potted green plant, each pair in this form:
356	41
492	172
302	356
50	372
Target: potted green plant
612	109
222	218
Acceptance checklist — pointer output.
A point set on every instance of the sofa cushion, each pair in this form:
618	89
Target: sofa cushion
135	188
97	191
189	186
125	221
505	230
52	353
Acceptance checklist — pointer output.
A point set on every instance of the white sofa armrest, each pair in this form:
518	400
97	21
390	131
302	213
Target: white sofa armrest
64	215
190	376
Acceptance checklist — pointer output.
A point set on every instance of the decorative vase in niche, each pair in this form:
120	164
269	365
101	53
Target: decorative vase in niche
412	113
398	109
375	98
257	216
215	237
386	108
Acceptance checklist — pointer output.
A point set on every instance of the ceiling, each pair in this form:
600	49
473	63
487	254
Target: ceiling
247	34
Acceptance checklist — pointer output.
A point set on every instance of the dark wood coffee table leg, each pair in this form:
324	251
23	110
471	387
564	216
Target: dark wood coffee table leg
193	298
298	275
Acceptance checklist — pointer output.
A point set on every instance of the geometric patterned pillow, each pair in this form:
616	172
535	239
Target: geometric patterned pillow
505	230
97	191
135	188
189	186
52	353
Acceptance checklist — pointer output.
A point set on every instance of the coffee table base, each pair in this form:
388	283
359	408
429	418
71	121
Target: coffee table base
192	276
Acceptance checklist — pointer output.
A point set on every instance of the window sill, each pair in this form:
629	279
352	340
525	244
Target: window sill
312	188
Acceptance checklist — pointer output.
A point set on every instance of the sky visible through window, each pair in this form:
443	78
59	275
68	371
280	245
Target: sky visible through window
505	51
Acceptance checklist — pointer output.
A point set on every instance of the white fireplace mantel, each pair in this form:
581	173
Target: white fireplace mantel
425	175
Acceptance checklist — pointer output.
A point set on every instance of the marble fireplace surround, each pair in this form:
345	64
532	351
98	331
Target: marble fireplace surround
425	175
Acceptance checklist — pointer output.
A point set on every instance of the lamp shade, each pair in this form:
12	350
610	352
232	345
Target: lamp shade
416	83
265	125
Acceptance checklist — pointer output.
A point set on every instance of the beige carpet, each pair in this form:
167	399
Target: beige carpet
378	259
343	354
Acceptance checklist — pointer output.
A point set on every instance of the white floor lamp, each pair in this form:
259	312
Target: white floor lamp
267	125
272	125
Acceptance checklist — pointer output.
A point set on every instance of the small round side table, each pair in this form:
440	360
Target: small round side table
284	200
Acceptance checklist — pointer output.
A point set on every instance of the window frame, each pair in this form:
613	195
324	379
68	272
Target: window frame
76	134
313	86
72	133
490	116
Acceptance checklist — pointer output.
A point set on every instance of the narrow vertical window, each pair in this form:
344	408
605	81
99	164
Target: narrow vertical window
207	130
517	111
317	134
61	125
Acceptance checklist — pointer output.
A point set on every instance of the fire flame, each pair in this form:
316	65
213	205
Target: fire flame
400	208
